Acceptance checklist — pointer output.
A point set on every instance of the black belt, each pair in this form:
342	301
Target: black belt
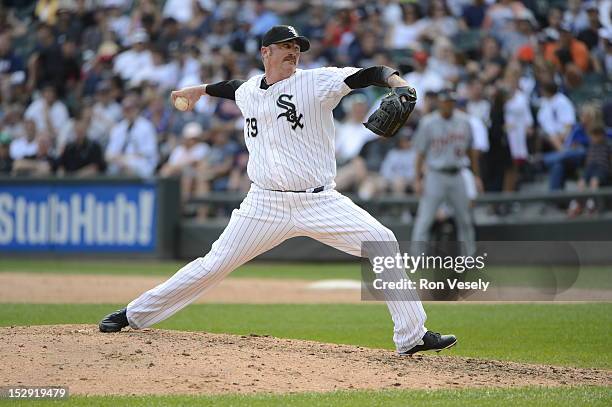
314	191
451	171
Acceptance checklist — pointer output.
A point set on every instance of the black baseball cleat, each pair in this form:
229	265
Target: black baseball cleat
114	322
432	341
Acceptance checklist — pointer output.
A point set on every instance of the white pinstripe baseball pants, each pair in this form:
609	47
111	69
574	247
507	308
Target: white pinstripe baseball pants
264	220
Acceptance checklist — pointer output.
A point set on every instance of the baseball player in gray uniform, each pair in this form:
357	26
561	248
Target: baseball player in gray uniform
289	133
443	142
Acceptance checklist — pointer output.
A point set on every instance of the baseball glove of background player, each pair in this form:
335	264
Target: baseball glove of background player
394	110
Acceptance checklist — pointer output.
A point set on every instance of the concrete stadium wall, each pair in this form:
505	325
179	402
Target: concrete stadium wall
195	239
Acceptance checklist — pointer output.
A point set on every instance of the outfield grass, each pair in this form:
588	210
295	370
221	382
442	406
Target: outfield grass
588	277
530	396
559	334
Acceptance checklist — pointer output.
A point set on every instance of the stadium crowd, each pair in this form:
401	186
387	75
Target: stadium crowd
84	85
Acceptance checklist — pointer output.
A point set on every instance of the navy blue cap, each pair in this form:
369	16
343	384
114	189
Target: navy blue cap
283	33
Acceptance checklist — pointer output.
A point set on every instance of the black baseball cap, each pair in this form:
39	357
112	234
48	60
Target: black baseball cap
282	33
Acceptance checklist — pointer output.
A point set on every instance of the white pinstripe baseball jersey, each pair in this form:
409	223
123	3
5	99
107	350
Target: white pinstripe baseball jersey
289	128
289	131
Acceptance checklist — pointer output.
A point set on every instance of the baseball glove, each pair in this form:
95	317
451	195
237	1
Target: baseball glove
394	110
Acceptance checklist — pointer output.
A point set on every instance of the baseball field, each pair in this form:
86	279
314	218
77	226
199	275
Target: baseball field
287	334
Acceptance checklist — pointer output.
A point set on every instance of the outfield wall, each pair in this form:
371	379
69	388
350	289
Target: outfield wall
130	217
113	217
196	239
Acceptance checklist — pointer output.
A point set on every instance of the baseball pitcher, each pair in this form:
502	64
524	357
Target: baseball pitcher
289	133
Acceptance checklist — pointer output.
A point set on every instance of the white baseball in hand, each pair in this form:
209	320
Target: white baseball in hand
181	103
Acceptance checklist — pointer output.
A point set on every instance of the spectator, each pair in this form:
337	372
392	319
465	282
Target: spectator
170	36
6	162
47	111
39	164
81	157
406	33
423	78
200	23
95	34
396	170
571	156
575	16
106	113
490	65
554	19
213	172
188	154
439	22
67	27
185	158
220	34
12	123
597	168
556	115
11	66
179	10
162	73
603	55
473	15
132	148
342	22
518	125
135	59
26	145
99	68
480	146
42	66
264	19
568	52
118	23
314	26
498	160
370	160
499	17
364	47
239	179
524	33
158	113
53	63
67	132
590	34
477	105
444	60
351	136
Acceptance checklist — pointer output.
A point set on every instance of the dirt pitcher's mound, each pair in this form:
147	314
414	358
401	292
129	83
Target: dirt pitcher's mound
171	362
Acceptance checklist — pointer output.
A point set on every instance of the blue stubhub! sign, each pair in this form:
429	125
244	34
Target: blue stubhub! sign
78	218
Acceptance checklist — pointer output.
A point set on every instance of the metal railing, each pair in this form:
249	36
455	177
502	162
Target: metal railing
233	199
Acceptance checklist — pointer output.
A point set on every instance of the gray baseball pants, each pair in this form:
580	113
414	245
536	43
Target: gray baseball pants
445	187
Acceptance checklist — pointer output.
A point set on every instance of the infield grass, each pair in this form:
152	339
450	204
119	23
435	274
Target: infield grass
558	334
525	396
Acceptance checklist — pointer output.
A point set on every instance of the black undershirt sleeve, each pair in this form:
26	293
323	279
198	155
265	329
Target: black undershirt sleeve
224	89
374	75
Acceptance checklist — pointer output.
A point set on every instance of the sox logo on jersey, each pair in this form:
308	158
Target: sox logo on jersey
290	112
